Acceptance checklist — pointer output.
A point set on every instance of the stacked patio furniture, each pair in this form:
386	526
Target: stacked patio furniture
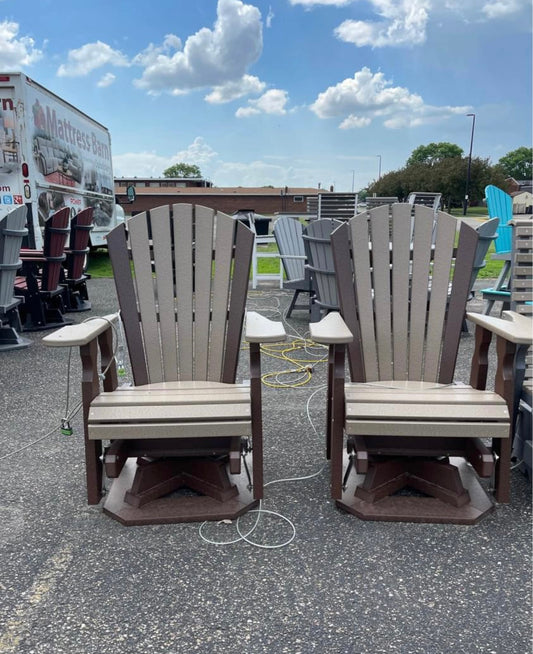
74	278
337	206
522	303
39	280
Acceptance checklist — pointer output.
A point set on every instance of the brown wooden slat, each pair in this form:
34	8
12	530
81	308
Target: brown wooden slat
164	282
120	262
244	242
183	244
341	246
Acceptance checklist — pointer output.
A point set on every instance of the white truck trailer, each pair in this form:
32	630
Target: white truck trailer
53	155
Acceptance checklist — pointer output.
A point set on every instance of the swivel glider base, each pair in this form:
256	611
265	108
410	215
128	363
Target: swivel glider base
462	498
130	498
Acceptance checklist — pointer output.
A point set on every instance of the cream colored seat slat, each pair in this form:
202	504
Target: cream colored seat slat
169	430
427	428
168	413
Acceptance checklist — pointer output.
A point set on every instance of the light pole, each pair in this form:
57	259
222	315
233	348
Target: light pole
465	205
353	181
379	166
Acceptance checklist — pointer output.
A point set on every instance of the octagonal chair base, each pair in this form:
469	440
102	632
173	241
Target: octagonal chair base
175	507
416	508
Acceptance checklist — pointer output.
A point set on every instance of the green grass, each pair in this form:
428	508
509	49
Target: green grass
99	265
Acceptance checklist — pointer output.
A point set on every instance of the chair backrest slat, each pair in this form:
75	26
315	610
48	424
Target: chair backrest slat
182	292
119	255
56	231
317	244
401	270
288	235
500	205
464	262
421	256
244	243
440	282
80	229
183	244
145	285
362	264
225	230
163	280
394	292
203	252
380	231
12	231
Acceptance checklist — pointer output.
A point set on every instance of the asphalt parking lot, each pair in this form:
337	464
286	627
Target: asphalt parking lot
74	581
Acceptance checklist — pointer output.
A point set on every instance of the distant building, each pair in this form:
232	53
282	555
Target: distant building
162	182
518	186
152	192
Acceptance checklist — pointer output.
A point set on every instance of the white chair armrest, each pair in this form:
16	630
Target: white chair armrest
80	334
259	329
512	326
330	330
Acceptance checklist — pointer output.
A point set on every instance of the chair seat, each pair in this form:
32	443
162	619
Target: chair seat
171	410
414	408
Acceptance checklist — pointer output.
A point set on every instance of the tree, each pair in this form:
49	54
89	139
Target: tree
447	177
434	152
517	163
182	170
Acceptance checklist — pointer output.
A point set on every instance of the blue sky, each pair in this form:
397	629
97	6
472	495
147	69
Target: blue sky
282	92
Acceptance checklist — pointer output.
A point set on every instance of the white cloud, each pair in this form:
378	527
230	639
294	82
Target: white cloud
151	53
271	102
404	24
270	17
106	80
366	96
497	8
89	57
313	3
16	52
209	57
247	85
150	164
352	121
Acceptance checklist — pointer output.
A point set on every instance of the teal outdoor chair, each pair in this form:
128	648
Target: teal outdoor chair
500	205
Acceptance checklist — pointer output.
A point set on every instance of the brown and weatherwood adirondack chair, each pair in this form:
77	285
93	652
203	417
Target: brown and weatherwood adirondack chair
38	281
181	275
409	428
